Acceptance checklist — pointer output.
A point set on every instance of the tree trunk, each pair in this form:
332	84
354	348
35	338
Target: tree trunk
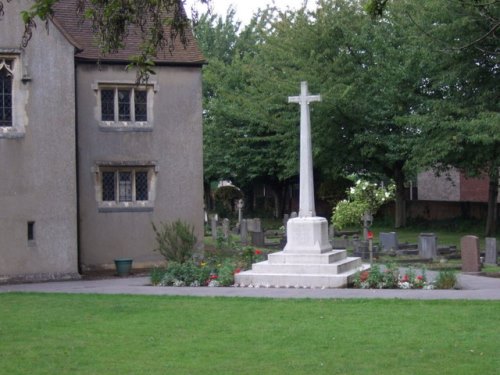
400	201
491	219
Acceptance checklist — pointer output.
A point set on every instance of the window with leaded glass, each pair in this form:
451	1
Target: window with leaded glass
6	92
141	108
108	105
108	186
124	105
125	185
141	186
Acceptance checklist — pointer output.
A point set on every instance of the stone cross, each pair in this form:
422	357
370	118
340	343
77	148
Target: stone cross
306	192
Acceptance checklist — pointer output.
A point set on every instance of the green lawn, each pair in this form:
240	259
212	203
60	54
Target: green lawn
99	334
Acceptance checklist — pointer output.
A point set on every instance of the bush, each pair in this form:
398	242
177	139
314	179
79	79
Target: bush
176	241
446	279
156	275
226	273
185	274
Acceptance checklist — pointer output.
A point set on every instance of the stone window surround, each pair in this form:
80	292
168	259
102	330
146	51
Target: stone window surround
120	126
20	94
115	206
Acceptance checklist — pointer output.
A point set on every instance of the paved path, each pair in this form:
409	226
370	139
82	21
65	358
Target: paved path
472	287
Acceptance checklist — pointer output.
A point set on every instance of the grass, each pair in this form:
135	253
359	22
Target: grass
104	334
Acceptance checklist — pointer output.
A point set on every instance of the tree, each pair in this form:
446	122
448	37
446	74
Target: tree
459	121
159	23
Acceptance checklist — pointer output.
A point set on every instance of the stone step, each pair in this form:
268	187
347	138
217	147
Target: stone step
276	280
344	265
283	257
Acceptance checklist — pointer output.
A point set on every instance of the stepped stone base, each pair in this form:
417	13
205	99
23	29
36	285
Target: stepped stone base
307	261
327	270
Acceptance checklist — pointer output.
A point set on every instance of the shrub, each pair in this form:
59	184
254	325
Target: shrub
446	279
157	275
175	241
185	274
226	273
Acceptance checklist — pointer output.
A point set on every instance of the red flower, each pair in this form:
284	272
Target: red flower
213	277
420	277
258	252
405	278
364	276
237	270
370	235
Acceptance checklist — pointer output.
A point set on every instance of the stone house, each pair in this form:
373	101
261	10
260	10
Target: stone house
88	159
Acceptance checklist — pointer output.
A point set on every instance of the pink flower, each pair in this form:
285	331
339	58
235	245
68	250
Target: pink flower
258	252
237	270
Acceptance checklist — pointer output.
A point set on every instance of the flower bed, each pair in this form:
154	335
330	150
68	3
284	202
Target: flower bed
391	278
213	271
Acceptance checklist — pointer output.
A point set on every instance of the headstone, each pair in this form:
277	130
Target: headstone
427	246
491	251
258	238
257	227
469	247
293	215
225	228
340	242
243	231
388	241
240	205
213	227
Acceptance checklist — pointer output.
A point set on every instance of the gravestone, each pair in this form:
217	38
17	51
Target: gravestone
388	241
244	231
239	206
225	228
258	238
469	247
491	251
293	215
427	246
213	227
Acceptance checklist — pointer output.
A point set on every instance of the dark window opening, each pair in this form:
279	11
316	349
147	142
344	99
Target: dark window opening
141	109
5	97
108	186
141	186
31	230
108	105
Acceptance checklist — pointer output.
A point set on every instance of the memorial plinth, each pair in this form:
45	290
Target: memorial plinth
308	259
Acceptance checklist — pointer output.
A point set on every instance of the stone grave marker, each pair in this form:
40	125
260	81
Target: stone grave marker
427	246
213	227
470	254
225	228
244	231
388	241
491	251
257	233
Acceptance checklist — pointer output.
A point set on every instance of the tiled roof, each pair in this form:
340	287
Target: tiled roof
81	36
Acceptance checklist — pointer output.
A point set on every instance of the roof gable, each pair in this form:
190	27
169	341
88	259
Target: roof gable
80	34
